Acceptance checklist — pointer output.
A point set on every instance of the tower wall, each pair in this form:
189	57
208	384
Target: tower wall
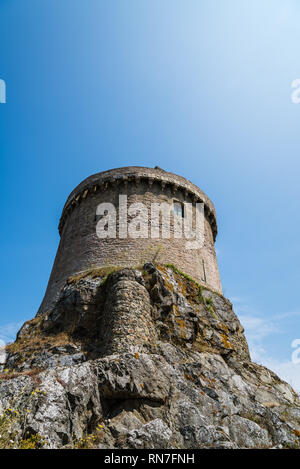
81	249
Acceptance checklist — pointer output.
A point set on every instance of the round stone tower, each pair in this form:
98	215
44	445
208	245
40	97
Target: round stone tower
129	190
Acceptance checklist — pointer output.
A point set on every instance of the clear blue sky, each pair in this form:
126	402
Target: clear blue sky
200	88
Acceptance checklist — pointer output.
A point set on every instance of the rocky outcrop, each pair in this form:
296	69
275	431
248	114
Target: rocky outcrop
141	359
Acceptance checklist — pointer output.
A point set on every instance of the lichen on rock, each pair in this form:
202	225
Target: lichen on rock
141	358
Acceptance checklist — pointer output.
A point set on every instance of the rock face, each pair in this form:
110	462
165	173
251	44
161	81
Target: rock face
141	359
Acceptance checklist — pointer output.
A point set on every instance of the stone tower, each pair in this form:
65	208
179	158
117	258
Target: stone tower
81	249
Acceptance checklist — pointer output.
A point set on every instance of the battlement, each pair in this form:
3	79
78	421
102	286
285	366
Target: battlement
136	175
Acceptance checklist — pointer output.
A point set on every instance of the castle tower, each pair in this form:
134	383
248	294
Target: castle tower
81	248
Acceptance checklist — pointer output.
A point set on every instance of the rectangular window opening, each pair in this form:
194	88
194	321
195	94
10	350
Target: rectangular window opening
203	274
178	209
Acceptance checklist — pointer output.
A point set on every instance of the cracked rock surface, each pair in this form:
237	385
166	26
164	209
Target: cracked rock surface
141	359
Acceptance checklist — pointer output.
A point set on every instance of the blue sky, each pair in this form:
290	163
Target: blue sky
200	88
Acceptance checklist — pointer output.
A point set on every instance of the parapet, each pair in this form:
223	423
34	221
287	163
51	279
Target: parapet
136	174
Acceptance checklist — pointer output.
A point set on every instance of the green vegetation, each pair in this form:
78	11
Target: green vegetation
9	421
178	271
189	278
90	441
209	301
210	306
93	273
33	442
